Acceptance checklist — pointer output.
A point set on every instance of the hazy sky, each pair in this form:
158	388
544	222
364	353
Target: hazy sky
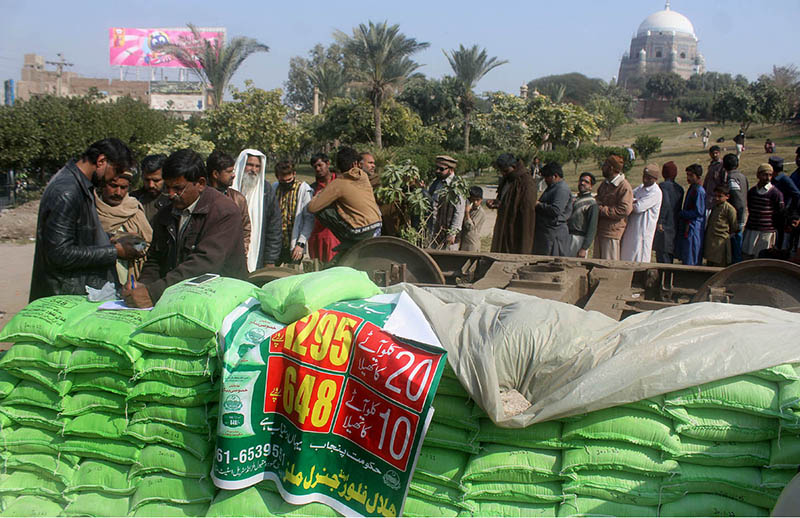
537	37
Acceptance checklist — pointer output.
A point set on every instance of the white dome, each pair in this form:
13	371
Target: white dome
666	21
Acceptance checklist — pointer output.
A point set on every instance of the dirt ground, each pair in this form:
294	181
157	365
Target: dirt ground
15	280
17	237
19	224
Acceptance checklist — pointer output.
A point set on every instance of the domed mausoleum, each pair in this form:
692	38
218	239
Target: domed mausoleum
664	42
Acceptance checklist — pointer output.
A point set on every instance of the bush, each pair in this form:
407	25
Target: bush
646	145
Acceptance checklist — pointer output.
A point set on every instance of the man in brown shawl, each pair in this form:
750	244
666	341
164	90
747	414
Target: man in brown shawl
515	204
122	214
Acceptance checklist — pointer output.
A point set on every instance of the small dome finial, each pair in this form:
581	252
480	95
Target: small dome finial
666	5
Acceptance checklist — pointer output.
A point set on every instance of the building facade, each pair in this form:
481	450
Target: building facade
664	42
182	98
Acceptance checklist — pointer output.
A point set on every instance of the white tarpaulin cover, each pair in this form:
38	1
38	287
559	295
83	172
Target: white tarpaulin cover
566	361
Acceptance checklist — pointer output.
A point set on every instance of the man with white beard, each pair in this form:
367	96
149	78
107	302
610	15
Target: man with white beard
265	218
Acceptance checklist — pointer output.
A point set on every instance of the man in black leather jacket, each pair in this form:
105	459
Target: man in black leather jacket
72	250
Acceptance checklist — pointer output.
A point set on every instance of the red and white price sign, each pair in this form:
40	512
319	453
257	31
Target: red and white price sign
376	424
395	369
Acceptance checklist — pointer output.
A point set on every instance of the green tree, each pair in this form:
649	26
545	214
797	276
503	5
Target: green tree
323	67
470	66
350	121
709	82
330	79
665	85
255	119
771	101
515	124
436	102
181	138
559	124
381	54
610	113
401	187
505	125
214	62
735	104
646	146
577	87
39	135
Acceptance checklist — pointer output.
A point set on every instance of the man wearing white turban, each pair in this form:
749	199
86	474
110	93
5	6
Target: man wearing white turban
265	217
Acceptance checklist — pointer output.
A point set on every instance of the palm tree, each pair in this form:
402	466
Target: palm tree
214	62
470	65
381	54
329	78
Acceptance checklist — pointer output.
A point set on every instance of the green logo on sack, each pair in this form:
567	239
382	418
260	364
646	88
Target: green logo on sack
232	402
255	336
233	420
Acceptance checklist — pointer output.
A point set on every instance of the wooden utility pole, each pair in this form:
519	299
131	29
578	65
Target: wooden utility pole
59	71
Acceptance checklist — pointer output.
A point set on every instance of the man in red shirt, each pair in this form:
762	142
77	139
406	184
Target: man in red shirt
322	241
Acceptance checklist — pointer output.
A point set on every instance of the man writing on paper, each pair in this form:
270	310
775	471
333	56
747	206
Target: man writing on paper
200	232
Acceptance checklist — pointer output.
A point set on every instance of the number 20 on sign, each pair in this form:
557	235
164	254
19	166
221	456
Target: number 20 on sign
323	338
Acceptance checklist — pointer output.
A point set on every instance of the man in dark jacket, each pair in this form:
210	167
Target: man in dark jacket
552	212
515	204
201	232
72	250
671	203
788	219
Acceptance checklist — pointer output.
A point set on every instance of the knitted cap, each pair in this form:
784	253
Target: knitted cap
669	170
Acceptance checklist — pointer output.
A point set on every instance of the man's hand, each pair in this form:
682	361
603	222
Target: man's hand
582	252
492	204
660	227
137	297
126	250
297	253
451	240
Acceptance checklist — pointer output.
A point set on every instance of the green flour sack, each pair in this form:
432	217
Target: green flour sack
194	310
292	298
43	319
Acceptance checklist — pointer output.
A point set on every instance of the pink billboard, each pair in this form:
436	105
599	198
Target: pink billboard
141	47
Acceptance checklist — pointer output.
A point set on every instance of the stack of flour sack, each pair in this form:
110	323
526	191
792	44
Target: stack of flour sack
112	413
726	448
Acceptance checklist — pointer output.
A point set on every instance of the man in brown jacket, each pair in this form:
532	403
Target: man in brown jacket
516	207
220	175
615	203
200	232
347	205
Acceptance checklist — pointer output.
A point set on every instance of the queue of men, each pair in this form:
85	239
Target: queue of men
717	221
191	217
220	215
